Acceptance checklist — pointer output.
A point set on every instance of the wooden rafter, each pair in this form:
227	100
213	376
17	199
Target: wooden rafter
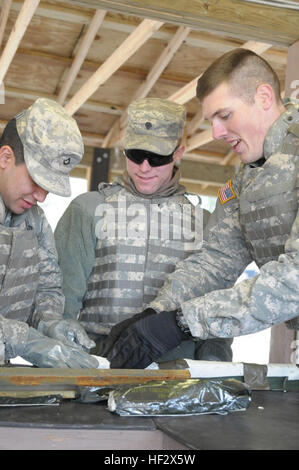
18	31
81	53
234	18
136	39
4	17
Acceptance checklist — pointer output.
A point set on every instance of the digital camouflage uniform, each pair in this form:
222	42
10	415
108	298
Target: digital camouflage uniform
30	278
108	278
116	246
256	218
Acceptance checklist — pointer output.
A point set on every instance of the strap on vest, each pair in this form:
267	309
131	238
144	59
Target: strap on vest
108	189
291	143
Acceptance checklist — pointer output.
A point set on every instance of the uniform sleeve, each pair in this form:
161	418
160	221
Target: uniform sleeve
217	265
75	242
267	299
49	300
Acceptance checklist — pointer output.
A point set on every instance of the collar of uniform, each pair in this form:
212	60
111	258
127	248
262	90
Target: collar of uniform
258	163
7	218
278	130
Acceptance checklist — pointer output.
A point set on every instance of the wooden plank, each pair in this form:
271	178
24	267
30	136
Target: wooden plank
90	105
162	62
90	139
197	140
143	32
17	393
4	17
16	35
81	53
235	18
24	376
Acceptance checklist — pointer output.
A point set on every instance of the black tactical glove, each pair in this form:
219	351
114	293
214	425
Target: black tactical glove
106	345
146	340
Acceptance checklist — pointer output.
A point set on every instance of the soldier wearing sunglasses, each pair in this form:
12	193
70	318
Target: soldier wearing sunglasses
117	245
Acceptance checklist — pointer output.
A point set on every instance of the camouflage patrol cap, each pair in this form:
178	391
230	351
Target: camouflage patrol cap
155	125
52	144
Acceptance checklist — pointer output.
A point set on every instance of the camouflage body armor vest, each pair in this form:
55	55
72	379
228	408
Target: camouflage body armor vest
19	270
269	203
131	260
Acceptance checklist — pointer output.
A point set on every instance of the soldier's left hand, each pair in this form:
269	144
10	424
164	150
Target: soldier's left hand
68	331
146	340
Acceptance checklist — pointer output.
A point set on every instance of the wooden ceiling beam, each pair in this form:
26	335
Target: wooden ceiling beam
235	18
90	139
6	5
139	36
162	62
81	53
126	24
96	106
16	35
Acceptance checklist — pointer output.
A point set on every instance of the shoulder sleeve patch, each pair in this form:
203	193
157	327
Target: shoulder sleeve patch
226	192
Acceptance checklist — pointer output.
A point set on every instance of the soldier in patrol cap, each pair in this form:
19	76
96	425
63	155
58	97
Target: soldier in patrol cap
117	245
38	148
256	219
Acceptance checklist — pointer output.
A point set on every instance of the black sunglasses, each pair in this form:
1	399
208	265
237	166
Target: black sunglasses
154	159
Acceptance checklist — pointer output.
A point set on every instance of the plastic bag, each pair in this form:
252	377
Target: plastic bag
31	401
188	397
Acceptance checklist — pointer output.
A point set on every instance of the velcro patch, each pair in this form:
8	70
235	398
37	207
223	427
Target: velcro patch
226	192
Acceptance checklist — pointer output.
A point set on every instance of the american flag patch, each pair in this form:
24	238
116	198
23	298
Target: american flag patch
226	192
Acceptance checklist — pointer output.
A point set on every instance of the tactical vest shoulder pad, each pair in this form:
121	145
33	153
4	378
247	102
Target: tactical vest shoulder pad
107	189
290	144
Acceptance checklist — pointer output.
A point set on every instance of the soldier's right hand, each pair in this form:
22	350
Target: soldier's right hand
106	345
